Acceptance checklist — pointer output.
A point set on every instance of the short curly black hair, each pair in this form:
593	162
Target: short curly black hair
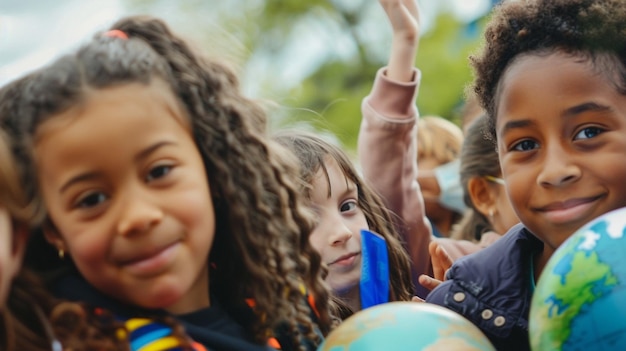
592	30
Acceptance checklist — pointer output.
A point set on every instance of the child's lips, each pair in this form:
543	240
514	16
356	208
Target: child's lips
345	260
151	262
570	210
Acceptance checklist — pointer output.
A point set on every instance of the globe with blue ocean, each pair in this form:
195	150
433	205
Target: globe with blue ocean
406	326
580	298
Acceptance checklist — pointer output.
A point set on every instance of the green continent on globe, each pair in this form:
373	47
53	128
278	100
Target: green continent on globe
574	280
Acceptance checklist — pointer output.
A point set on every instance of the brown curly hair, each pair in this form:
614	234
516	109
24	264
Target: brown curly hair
591	30
261	249
312	152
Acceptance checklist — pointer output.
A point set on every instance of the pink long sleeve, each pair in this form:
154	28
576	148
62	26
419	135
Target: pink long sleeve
387	151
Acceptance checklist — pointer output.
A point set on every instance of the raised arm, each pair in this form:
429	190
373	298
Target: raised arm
387	145
404	18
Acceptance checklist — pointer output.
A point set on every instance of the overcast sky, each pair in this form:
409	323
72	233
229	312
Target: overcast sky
34	32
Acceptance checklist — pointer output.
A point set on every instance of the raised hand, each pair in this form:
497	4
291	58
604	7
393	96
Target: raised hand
404	18
441	262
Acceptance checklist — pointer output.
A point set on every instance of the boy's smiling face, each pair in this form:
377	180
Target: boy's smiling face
561	129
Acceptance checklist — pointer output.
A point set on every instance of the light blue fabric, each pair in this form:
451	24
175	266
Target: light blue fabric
449	180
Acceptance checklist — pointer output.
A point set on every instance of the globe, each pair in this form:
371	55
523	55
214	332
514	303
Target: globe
404	326
579	302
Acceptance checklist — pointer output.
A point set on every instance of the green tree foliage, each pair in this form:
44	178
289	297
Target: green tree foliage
443	58
263	39
336	88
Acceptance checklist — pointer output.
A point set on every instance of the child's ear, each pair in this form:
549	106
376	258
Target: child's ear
481	195
53	237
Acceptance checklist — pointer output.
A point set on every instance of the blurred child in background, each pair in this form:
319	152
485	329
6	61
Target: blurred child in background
489	213
345	205
438	149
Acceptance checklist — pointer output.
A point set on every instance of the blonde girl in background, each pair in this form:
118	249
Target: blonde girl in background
439	144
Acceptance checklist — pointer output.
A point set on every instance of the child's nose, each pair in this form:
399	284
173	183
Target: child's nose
138	215
558	168
341	234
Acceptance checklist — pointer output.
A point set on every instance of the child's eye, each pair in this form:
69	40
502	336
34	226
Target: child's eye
587	133
525	145
348	206
158	172
91	200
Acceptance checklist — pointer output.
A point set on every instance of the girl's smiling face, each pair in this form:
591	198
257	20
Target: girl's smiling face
127	193
561	129
337	236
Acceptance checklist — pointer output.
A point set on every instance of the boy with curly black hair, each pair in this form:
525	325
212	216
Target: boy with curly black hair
552	78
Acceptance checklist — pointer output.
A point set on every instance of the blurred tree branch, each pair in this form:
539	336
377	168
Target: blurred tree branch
259	37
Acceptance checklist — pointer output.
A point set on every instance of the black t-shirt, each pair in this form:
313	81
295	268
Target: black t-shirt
217	330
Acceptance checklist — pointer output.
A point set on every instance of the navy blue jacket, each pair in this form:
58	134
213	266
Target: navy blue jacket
493	288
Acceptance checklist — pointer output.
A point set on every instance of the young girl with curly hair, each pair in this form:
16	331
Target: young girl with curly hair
164	196
30	317
551	78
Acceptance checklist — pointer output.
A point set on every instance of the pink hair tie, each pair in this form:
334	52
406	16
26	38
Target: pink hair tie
116	33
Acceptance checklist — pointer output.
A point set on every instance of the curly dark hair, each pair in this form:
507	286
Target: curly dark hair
261	249
312	152
590	30
34	320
